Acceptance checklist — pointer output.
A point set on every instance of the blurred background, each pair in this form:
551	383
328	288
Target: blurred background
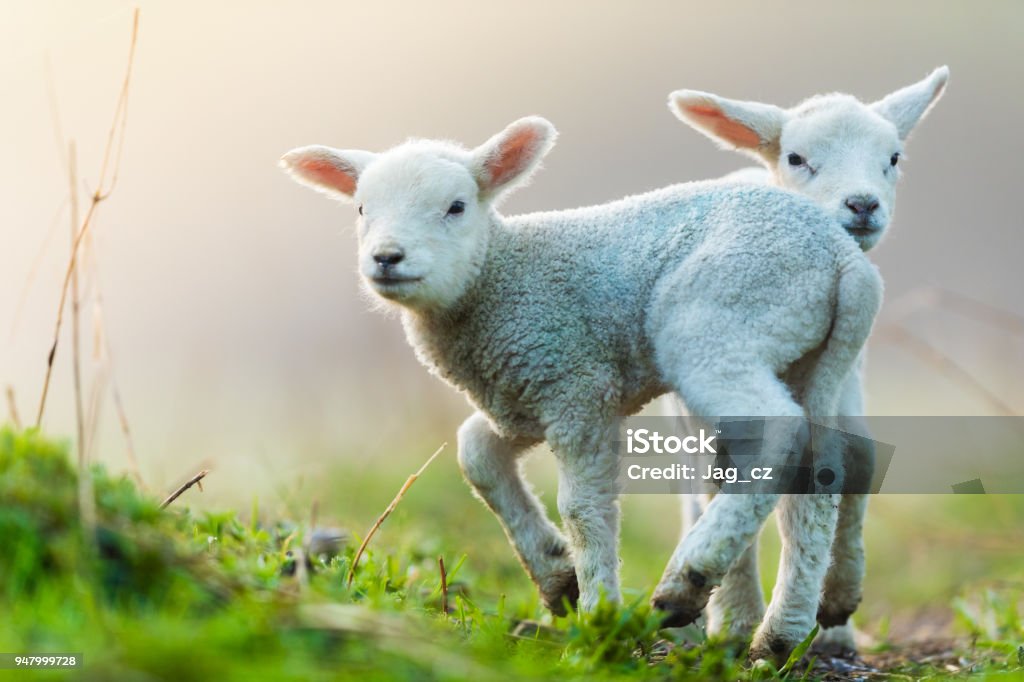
237	333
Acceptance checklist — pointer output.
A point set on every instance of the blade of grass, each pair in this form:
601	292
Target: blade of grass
798	653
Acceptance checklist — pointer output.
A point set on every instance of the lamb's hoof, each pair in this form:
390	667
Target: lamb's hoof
559	589
683	601
677	613
832	614
531	629
835	642
774	648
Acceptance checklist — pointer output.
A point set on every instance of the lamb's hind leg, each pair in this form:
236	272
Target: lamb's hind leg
807	524
490	465
845	577
736	608
843	582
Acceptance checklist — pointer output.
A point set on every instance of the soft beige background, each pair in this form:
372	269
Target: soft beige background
231	301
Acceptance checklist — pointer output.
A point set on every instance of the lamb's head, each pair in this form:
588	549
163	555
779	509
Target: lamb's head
425	207
838	151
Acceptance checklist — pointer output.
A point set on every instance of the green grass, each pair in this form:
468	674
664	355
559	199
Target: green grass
187	595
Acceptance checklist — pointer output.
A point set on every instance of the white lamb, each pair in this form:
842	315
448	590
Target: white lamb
557	324
843	154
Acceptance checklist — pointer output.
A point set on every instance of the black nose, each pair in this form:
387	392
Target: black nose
389	258
862	204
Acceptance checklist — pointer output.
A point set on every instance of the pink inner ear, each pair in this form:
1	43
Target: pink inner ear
324	172
724	127
513	156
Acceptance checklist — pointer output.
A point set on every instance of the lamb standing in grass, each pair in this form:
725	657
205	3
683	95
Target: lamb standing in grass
557	324
844	155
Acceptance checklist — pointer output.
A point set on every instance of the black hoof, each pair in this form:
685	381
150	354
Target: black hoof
568	591
830	618
676	615
776	650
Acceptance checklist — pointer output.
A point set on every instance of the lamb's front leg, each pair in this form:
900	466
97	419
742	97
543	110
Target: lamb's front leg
736	608
807	524
588	503
490	465
728	527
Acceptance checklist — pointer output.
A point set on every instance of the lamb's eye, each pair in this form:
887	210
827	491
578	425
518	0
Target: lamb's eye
894	159
360	209
456	208
796	160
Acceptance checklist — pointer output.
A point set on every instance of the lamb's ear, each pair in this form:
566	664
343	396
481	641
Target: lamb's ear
749	127
510	157
908	105
332	171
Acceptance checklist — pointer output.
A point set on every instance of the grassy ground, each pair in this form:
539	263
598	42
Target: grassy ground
178	594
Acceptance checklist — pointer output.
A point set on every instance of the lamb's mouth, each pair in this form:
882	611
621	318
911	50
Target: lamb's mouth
394	280
861	230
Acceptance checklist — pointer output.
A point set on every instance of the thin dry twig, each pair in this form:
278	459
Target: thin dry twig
387	512
444	585
195	480
117	129
12	408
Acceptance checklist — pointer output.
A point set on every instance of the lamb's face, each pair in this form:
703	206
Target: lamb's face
425	208
843	154
422	228
845	157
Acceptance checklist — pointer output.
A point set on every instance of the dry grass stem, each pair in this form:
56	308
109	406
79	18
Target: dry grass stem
12	408
76	340
122	418
444	585
195	480
102	192
387	512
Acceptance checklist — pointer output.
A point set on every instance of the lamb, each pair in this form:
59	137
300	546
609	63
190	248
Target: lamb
555	325
844	155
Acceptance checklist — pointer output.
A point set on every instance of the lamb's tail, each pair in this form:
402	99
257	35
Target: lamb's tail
858	299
